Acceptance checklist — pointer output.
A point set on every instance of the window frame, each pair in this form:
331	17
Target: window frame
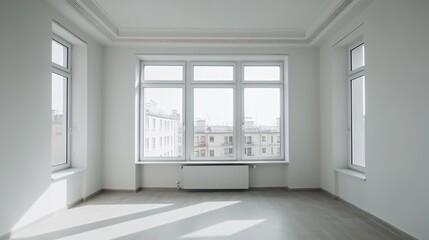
282	131
149	85
66	44
350	56
208	64
65	72
238	84
353	75
263	63
234	120
162	63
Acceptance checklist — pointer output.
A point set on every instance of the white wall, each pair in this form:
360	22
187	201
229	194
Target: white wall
26	189
119	169
396	35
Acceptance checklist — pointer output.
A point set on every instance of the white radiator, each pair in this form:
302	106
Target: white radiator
215	177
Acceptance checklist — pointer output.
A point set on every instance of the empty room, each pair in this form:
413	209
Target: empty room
214	119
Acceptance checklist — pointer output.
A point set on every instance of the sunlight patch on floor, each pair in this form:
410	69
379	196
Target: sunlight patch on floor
93	214
149	222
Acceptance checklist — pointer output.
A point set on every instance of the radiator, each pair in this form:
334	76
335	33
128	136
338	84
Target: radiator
215	177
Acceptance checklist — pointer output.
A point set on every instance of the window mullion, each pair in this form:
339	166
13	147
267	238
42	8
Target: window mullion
239	113
189	130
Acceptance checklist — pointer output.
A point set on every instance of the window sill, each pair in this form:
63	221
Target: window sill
65	173
352	173
212	162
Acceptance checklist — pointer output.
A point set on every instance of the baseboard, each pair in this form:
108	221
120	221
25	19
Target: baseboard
159	188
75	203
303	189
380	222
92	195
119	190
268	188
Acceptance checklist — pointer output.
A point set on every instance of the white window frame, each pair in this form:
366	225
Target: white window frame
238	84
282	132
264	63
353	75
65	72
148	85
162	63
208	64
211	85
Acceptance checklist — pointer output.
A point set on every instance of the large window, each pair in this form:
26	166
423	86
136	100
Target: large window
357	106
232	109
60	99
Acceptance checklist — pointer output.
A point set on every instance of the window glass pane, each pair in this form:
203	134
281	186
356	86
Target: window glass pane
59	54
59	120
163	105
358	121
262	120
163	73
358	57
213	73
261	73
213	116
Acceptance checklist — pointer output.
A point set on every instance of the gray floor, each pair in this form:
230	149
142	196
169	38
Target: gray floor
172	214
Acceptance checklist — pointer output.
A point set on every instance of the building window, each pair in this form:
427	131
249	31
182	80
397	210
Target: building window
357	106
227	140
60	103
248	139
248	151
146	144
228	151
238	101
264	150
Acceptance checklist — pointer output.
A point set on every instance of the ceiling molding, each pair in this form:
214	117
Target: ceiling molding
91	19
98	19
331	17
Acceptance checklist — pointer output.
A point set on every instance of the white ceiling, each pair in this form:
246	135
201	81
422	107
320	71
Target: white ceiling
280	21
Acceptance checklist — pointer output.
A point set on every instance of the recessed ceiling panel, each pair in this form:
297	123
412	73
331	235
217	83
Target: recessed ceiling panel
211	14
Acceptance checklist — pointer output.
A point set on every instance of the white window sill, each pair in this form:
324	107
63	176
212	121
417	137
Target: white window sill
65	173
352	173
212	162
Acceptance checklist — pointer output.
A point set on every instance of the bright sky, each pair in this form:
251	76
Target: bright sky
167	99
214	105
57	92
262	105
58	52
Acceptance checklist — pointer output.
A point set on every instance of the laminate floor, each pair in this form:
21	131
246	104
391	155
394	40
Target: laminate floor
172	214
